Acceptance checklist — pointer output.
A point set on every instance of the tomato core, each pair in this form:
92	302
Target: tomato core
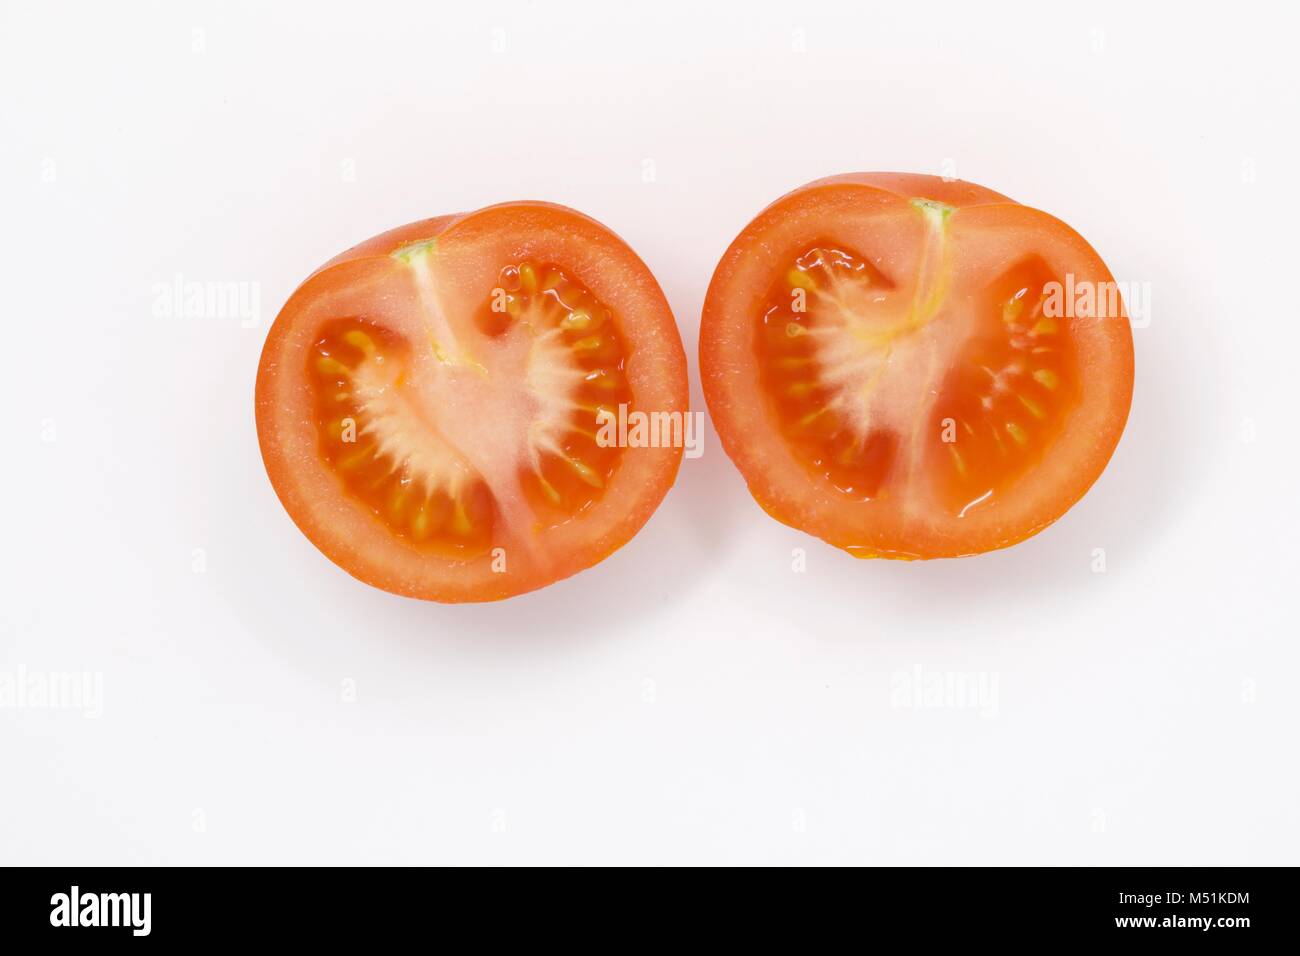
390	449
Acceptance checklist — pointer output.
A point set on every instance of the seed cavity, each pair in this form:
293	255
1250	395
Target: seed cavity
1010	391
830	330
381	437
577	374
380	450
862	379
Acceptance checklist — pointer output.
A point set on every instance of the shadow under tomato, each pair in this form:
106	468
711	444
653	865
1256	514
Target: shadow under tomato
330	626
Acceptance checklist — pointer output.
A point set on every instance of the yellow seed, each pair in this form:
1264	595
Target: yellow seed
800	279
420	524
460	522
576	321
1045	377
812	417
603	379
331	366
586	473
398	501
552	281
1034	407
1011	311
1045	327
357	459
794	329
549	489
342	396
801	389
957	461
358	339
588	344
1016	432
528	277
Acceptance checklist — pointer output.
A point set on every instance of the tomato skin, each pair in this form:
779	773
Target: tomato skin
366	276
742	414
953	192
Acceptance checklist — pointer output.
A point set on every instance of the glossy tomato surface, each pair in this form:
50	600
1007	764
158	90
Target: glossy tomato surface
433	405
909	367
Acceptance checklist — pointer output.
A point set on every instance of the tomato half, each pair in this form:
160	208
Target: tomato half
913	368
432	404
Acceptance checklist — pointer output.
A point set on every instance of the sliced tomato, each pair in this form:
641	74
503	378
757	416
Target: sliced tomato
910	368
431	403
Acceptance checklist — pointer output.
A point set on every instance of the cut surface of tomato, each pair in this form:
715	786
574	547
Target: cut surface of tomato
430	403
910	367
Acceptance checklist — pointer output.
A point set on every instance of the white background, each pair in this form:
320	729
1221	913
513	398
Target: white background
692	699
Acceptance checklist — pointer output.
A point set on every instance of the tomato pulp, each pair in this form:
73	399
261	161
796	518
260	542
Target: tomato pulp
894	364
430	402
